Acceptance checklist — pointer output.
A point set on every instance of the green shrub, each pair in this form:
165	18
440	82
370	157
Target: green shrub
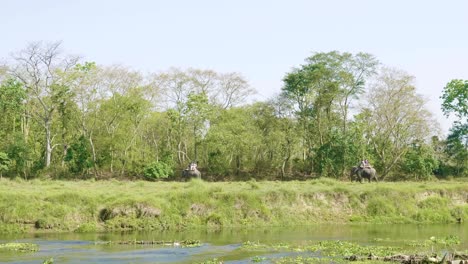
22	247
4	163
460	213
7	228
378	206
157	170
433	216
434	203
86	228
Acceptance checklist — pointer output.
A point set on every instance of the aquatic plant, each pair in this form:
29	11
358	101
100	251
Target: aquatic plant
48	261
21	247
184	243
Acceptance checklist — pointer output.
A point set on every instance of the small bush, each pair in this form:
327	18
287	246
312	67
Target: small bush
433	216
214	220
157	170
6	228
434	203
460	213
379	206
86	228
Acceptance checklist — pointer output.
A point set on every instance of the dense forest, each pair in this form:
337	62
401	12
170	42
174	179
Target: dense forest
65	118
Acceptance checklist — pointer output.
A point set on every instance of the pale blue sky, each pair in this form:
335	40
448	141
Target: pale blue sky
260	39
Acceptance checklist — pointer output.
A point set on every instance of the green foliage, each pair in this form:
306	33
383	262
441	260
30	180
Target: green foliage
232	141
433	203
4	163
321	92
20	155
157	170
457	148
420	161
12	228
211	261
86	228
117	121
380	206
78	156
48	261
22	247
446	241
434	209
455	98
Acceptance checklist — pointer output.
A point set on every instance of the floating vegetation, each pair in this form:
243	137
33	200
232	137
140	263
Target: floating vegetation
211	261
48	261
414	259
184	243
21	247
325	248
258	259
448	241
344	252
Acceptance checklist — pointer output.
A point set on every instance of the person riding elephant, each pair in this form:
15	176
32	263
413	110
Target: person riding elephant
191	171
365	164
364	170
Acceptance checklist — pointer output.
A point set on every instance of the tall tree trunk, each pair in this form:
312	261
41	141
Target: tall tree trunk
48	153
195	143
93	150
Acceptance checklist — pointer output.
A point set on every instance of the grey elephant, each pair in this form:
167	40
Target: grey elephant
366	172
191	171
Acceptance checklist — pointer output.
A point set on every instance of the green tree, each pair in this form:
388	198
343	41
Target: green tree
40	68
285	134
232	142
20	154
396	117
455	98
4	163
457	148
322	91
78	156
198	112
420	161
455	101
119	131
12	95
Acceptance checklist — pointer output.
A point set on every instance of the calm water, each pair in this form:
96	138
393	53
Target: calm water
81	248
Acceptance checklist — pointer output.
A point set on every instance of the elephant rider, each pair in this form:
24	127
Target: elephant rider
193	166
365	164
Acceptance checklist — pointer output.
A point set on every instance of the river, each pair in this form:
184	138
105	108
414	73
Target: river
223	244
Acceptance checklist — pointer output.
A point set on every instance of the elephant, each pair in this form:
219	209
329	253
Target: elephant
366	172
191	171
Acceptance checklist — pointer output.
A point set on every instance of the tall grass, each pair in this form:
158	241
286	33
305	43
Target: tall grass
87	206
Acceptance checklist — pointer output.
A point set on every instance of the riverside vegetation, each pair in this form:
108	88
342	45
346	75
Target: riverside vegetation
90	206
66	118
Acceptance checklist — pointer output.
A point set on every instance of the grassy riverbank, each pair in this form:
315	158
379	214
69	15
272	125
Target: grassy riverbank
86	206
